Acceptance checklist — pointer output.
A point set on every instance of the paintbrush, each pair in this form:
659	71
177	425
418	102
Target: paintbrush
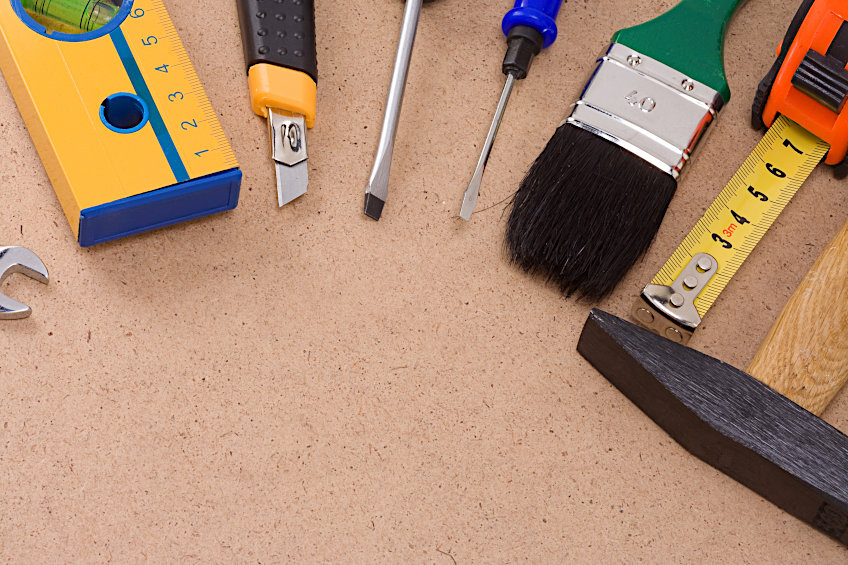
594	199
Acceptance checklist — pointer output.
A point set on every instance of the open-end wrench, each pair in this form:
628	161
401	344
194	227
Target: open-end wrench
16	259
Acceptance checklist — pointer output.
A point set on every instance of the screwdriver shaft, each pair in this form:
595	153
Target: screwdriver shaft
469	200
377	190
529	26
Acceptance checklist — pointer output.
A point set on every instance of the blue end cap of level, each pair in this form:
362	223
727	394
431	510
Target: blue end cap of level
159	208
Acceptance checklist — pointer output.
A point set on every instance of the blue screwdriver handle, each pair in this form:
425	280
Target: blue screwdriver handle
529	27
538	14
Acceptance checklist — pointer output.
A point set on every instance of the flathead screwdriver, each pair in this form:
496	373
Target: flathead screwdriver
529	27
377	191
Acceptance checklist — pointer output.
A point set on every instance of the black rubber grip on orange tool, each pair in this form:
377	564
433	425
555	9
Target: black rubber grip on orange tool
279	32
764	88
824	79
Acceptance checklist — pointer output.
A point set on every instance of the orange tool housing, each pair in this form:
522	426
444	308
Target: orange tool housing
818	30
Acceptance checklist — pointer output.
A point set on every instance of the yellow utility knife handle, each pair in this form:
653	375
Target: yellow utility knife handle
272	86
281	57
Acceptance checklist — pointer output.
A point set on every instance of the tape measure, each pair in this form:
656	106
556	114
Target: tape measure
804	100
116	111
702	266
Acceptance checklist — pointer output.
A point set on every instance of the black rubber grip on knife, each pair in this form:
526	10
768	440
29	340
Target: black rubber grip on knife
279	32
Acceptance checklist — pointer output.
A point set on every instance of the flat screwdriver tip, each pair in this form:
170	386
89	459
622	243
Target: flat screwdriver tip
469	199
373	206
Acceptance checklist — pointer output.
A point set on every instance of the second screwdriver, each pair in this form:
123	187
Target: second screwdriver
529	27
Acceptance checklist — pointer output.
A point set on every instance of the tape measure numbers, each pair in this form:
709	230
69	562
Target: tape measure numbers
702	266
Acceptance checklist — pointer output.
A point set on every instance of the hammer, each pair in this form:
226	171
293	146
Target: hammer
761	428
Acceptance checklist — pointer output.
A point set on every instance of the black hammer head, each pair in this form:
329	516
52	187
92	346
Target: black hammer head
729	419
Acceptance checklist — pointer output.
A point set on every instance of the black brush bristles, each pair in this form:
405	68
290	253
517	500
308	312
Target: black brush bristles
585	212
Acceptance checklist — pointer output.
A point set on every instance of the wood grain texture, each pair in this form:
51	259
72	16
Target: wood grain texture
805	354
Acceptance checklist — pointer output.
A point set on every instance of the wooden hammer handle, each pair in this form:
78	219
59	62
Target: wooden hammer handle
805	355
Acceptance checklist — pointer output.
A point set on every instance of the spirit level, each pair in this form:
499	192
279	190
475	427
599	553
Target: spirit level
117	114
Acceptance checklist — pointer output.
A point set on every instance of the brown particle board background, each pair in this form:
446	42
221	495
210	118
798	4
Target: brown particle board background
307	385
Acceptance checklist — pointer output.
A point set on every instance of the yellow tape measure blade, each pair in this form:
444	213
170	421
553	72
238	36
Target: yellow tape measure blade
738	218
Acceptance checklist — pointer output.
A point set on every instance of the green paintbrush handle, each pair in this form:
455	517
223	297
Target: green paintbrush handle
688	38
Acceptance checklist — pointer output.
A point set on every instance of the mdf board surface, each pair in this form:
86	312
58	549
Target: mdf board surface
304	384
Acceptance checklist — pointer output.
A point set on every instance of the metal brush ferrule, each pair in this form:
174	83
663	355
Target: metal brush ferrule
646	107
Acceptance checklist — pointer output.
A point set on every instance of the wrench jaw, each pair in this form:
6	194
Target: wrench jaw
16	259
12	309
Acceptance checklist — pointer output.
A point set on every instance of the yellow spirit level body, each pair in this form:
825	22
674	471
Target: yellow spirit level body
120	120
